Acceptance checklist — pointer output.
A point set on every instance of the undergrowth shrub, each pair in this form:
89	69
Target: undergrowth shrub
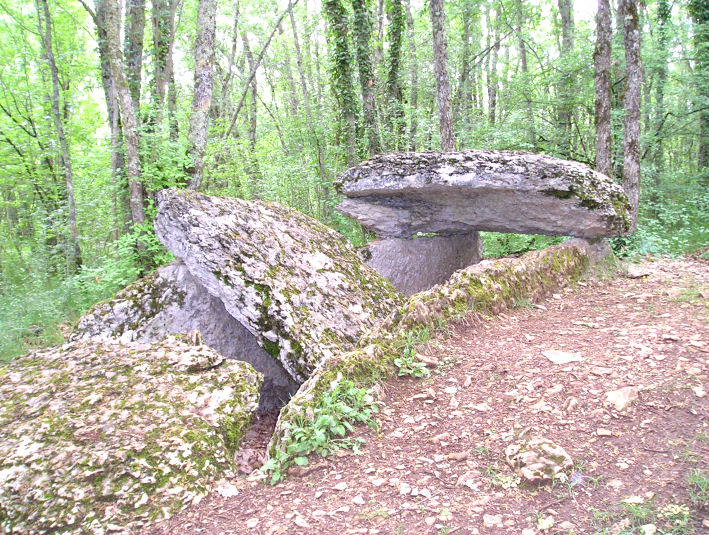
324	430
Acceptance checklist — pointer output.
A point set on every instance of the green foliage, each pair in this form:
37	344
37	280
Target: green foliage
325	432
497	245
698	483
408	363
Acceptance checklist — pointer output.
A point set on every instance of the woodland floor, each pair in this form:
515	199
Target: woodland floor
436	465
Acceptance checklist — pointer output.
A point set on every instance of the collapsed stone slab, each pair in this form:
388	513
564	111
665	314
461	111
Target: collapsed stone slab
103	436
296	285
171	301
416	264
399	195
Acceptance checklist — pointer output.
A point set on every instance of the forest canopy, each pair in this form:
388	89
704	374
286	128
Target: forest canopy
103	103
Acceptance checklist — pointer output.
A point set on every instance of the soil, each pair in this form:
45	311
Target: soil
436	464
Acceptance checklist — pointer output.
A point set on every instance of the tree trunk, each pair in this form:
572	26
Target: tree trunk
45	31
699	10
133	49
203	84
663	18
461	102
306	94
492	76
125	101
413	78
633	67
253	91
440	65
522	45
395	33
163	24
362	24
121	210
602	79
567	85
338	36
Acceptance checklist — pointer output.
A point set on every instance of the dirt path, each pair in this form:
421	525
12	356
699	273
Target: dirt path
436	466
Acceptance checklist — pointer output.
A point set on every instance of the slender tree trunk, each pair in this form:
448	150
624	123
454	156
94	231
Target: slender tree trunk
362	24
163	26
134	32
633	67
413	77
224	109
461	103
342	74
125	101
121	209
203	84
440	65
602	64
699	10
395	32
567	85
492	76
45	31
522	45
663	18
253	110
306	94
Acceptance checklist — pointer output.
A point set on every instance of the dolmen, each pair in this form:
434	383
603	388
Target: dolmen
140	413
426	208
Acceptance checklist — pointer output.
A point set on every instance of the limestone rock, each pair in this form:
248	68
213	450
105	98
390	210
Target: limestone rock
398	195
537	459
295	284
414	265
98	433
171	301
621	398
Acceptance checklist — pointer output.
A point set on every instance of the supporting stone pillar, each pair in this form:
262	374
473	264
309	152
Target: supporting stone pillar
416	264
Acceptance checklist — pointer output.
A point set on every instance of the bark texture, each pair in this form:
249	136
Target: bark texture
203	84
602	81
567	83
133	49
125	102
633	84
363	34
699	9
338	36
45	31
440	63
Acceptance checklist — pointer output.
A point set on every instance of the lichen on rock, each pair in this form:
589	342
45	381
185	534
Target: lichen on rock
488	287
98	434
398	195
296	285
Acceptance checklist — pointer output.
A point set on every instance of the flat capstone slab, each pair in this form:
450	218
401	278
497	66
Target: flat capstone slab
400	195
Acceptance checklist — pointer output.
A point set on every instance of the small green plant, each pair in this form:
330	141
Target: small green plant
410	366
498	479
523	303
698	482
335	415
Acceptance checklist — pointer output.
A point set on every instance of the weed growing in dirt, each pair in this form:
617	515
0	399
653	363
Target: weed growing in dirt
408	363
498	479
698	482
336	413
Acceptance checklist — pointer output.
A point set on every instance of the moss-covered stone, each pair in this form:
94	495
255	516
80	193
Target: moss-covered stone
111	434
488	287
298	286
